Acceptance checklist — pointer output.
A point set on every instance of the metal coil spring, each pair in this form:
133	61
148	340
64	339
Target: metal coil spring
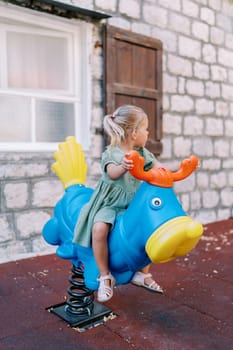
81	298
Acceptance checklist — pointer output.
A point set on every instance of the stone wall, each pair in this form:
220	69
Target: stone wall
198	118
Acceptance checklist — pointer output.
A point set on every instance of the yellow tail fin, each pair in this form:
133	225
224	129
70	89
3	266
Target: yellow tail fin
70	165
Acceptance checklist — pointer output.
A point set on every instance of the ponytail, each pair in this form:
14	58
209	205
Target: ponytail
114	130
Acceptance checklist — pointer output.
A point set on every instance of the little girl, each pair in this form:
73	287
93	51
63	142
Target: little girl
128	129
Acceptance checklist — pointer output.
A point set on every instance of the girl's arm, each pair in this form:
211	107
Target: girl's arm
115	171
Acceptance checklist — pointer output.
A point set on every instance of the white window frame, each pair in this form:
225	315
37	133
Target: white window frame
80	91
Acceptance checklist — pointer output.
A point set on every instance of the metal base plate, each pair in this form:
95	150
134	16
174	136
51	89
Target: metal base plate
97	316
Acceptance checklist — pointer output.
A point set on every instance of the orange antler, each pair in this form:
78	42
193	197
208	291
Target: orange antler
187	167
160	176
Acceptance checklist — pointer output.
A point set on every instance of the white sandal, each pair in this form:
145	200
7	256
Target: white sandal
139	280
104	292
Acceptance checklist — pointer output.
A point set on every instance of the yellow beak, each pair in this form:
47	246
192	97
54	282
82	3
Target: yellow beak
175	238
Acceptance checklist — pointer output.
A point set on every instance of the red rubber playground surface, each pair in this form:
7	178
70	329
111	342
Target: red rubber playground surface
194	313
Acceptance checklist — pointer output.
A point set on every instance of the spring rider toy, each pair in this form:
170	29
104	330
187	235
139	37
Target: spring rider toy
154	227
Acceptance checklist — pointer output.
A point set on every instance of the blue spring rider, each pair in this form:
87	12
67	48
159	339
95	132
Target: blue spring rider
154	228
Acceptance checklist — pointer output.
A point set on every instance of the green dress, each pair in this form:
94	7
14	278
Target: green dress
110	196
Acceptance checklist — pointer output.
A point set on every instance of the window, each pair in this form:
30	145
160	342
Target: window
44	80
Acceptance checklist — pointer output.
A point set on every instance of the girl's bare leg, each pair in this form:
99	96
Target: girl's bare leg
100	247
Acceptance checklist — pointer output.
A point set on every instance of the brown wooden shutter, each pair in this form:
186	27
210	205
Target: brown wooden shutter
133	75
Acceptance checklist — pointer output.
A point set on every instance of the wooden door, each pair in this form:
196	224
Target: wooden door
133	75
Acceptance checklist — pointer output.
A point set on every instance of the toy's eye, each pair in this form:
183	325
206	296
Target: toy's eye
156	202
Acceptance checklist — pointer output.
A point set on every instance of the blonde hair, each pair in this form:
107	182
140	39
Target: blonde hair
126	118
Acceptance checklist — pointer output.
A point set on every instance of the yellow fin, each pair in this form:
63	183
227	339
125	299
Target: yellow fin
70	165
